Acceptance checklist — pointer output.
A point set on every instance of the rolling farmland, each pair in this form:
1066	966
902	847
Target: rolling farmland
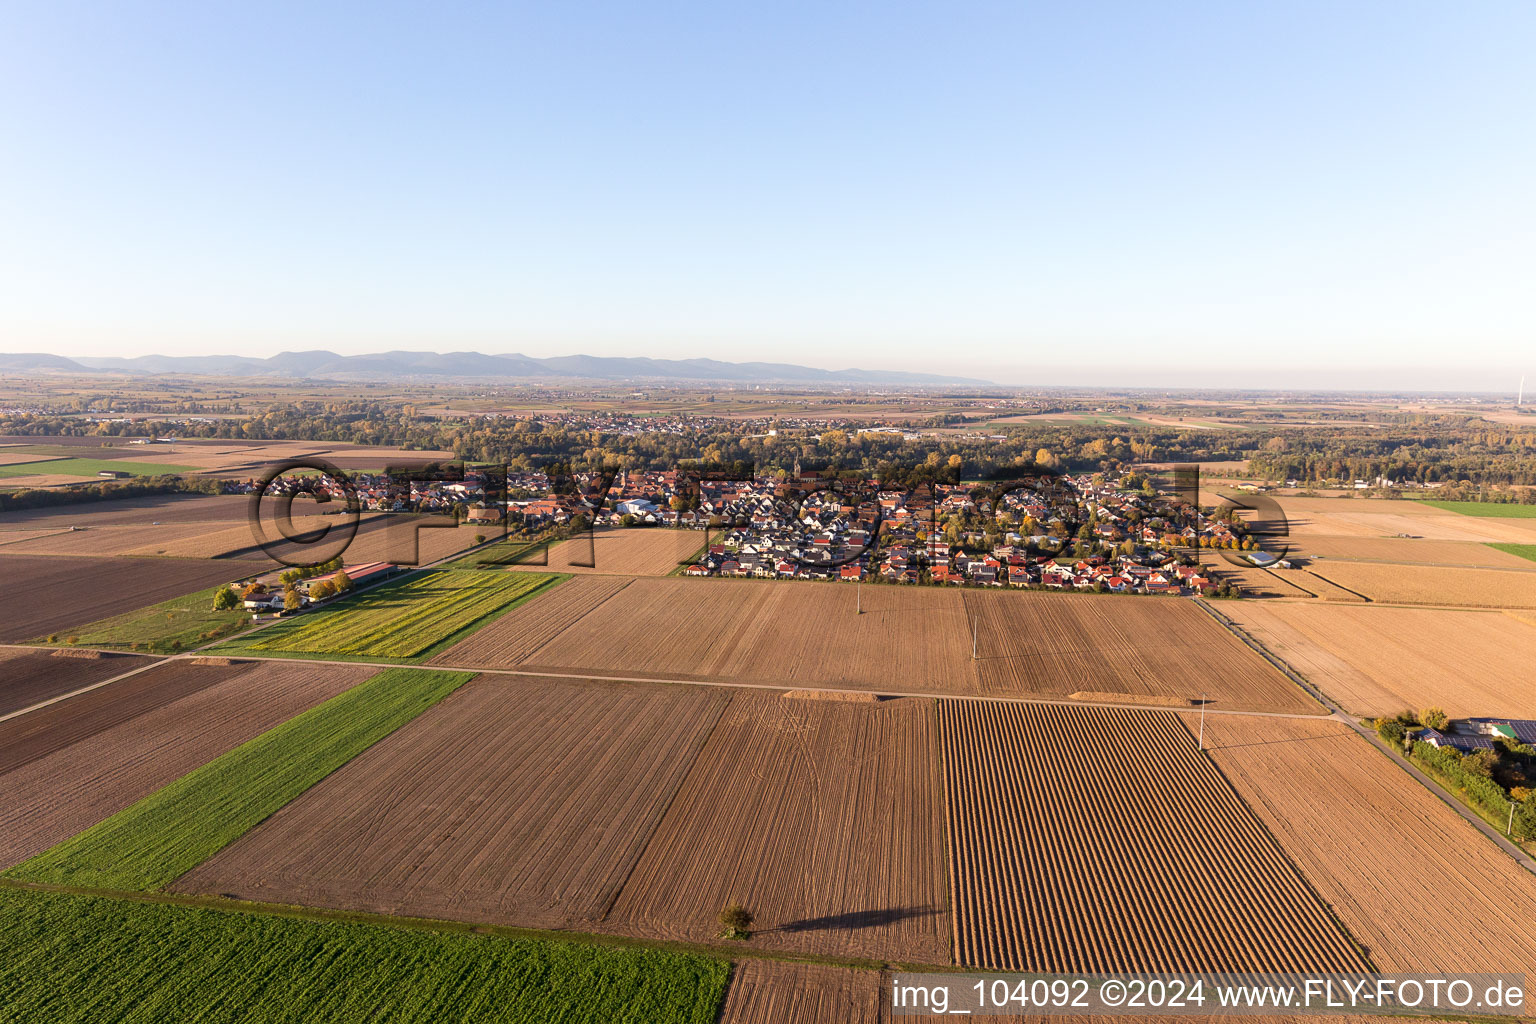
167	833
1372	842
532	818
136	962
1369	517
1058	644
81	760
1378	661
1436	585
823	817
517	634
402	619
52	593
1139	857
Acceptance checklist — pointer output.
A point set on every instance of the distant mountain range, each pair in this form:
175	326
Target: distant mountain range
321	364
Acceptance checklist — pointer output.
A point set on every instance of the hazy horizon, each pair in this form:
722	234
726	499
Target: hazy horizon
1023	194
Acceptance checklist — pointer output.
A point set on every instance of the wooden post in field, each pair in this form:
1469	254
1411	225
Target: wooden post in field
975	631
858	590
1202	721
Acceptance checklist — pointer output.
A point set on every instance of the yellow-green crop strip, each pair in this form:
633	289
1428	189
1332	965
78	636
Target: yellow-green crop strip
168	833
399	620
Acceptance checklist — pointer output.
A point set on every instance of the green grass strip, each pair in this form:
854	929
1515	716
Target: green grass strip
170	832
70	959
189	621
1489	509
1522	550
91	467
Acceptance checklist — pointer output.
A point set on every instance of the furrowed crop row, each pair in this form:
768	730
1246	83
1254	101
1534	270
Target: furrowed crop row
1137	857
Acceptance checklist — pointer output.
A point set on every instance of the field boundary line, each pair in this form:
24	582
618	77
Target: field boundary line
781	687
300	912
153	663
577	620
682	780
1264	652
1336	583
1369	735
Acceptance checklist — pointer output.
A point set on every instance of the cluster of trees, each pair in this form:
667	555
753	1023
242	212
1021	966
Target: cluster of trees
35	497
1497	780
226	598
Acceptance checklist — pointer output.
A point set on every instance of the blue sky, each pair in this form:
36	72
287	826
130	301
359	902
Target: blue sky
1036	193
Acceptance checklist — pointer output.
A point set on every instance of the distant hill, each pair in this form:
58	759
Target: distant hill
322	364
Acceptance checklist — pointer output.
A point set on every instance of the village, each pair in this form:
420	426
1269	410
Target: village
1087	532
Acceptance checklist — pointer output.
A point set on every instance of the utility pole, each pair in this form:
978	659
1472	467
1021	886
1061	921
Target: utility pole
1509	830
975	631
1202	721
858	590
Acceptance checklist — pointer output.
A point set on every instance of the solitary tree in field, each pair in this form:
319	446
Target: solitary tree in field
1435	718
735	922
225	599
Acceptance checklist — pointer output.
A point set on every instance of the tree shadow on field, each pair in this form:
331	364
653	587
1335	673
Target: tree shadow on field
856	919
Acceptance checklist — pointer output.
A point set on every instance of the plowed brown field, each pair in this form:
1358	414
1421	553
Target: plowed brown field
1378	846
1378	661
1422	584
521	801
1057	644
622	552
29	675
770	992
44	594
1099	839
790	634
822	817
529	626
51	797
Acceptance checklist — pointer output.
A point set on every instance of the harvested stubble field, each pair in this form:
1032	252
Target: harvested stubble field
517	634
149	844
822	817
1420	584
28	675
1256	582
1319	587
1403	551
187	540
1365	517
402	619
620	552
51	593
784	633
122	961
1378	661
777	992
202	711
1056	644
472	812
1137	857
1379	847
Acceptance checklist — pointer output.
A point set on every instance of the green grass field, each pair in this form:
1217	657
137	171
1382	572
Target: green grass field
170	832
1489	509
1523	550
70	959
408	620
90	467
188	621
